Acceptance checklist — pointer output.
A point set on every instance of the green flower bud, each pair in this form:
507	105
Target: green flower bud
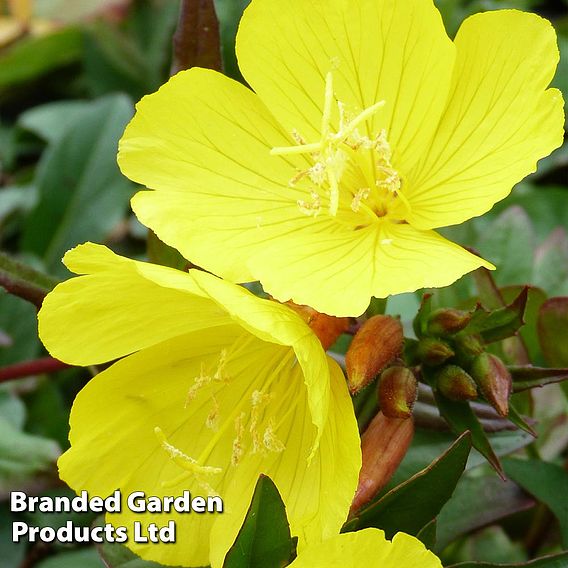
398	389
494	381
467	347
454	383
433	352
447	321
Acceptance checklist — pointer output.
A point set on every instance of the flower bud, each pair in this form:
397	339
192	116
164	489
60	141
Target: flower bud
377	343
467	347
383	445
398	389
433	351
447	321
454	383
327	328
494	381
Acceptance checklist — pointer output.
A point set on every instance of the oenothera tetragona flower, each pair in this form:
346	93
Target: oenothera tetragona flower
368	548
215	387
365	129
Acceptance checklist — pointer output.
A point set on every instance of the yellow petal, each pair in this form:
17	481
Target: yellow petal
391	50
317	495
369	548
209	138
120	306
499	120
339	271
136	425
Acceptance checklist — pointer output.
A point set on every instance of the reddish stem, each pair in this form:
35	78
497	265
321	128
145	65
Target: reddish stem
30	368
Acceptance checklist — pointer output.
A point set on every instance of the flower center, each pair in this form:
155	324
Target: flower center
252	421
373	182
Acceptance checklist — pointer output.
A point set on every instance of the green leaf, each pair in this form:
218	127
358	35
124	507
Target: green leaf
160	253
31	58
82	193
551	263
264	538
12	553
229	13
461	418
87	558
427	445
114	62
553	561
23	456
490	544
116	555
12	409
545	205
52	120
428	534
501	323
420	321
410	506
547	482
477	502
553	331
517	419
509	243
18	318
528	332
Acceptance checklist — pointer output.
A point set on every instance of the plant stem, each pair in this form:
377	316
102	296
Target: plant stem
30	368
196	39
23	281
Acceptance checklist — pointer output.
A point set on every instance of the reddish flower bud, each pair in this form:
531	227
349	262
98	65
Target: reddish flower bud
447	321
377	343
327	328
398	389
454	383
494	381
383	444
433	352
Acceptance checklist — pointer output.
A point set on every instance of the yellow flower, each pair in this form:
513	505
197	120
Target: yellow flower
215	387
367	548
367	129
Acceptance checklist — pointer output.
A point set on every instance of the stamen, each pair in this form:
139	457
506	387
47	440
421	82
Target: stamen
198	383
212	421
270	441
361	195
330	157
182	459
238	449
310	208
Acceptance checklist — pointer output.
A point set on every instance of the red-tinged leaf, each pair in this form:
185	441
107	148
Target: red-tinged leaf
553	331
528	377
461	418
553	561
500	323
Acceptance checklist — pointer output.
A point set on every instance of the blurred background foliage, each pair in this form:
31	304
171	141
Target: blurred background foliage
70	73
